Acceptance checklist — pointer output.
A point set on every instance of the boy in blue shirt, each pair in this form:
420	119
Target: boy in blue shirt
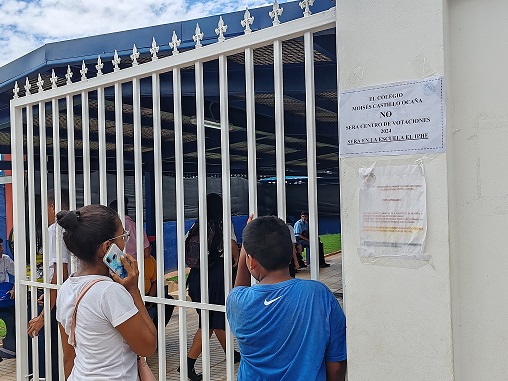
287	329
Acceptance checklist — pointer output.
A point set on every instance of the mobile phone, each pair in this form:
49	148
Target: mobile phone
113	261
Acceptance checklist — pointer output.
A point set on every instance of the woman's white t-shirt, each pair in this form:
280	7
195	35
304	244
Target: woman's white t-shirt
101	351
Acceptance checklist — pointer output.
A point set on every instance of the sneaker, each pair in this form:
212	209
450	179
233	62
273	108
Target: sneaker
7	354
237	357
323	265
191	373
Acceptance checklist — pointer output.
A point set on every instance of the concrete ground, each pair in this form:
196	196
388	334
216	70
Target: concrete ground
331	276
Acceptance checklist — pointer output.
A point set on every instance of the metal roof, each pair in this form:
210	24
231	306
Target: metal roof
56	56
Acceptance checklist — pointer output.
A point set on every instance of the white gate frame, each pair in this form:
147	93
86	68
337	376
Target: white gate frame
22	109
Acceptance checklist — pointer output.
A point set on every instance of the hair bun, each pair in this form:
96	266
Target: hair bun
68	219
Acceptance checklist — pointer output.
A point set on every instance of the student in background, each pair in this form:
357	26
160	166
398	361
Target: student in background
7	312
130	226
151	289
36	324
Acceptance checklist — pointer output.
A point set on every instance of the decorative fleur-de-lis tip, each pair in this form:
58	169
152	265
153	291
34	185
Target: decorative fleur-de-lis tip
154	50
198	37
247	21
221	28
68	75
99	66
175	43
134	56
53	79
40	82
83	71
305	5
16	90
116	61
28	86
275	13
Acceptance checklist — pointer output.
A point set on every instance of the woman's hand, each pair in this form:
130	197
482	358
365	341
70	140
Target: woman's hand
130	282
35	325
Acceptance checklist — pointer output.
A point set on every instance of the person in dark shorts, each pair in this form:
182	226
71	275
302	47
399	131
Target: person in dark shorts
216	294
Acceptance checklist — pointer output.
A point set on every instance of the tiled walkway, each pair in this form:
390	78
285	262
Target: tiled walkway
331	276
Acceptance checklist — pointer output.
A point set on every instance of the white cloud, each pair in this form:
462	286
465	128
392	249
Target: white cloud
26	25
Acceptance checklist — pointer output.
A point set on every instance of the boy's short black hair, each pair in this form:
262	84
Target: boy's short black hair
64	198
305	213
268	240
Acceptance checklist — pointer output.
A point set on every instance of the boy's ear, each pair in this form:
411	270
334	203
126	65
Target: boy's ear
252	263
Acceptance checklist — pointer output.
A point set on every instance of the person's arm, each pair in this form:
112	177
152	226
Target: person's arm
234	252
68	352
243	274
36	324
295	258
10	270
138	331
336	371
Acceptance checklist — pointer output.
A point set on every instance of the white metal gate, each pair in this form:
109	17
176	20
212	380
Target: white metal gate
28	126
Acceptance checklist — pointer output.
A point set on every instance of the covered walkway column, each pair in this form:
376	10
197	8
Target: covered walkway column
399	321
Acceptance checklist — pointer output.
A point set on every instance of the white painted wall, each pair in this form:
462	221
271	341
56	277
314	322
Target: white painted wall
477	69
398	318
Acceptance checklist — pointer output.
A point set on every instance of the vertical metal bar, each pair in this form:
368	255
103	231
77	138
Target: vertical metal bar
159	220
101	116
85	123
310	121
31	205
226	202
18	195
203	247
279	128
71	160
138	178
44	210
250	108
120	184
180	219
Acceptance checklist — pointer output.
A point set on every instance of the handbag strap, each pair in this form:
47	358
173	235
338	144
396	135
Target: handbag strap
73	321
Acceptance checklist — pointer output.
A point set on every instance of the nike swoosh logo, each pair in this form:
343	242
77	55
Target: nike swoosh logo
268	302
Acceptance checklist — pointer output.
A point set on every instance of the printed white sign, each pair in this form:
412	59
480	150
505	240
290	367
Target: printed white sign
393	119
393	212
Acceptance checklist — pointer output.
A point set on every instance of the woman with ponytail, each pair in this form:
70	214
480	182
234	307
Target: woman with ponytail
112	325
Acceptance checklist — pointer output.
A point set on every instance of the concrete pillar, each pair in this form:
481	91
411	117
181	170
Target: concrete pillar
399	322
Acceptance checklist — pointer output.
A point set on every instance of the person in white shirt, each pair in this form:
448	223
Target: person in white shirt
112	324
35	324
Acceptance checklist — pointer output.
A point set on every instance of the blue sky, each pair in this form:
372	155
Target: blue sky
28	24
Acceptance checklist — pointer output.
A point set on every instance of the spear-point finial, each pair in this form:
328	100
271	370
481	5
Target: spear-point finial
28	86
247	21
275	13
53	79
99	66
305	5
134	56
221	28
154	50
116	61
83	71
198	37
175	43
40	82
16	90
68	75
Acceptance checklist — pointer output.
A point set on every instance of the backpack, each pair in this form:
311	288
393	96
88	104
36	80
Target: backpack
215	244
